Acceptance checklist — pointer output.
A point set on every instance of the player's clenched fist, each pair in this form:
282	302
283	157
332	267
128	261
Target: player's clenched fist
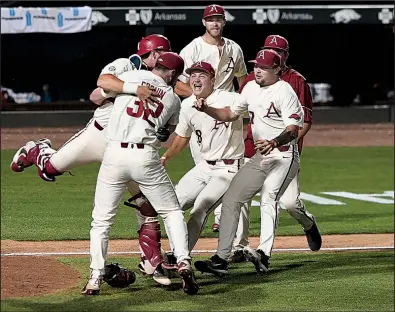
200	104
147	94
265	146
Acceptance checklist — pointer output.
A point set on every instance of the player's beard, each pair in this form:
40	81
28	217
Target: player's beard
215	33
261	82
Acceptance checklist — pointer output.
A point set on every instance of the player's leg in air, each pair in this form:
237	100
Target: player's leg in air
86	146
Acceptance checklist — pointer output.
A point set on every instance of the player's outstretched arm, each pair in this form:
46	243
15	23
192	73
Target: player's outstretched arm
220	114
178	144
183	89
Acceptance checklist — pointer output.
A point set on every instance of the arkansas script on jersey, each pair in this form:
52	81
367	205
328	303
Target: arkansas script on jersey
227	66
271	109
302	90
132	122
119	66
217	139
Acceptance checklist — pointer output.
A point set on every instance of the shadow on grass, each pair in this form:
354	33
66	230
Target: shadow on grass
241	288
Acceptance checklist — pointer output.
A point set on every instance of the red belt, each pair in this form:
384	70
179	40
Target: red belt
131	145
226	161
98	126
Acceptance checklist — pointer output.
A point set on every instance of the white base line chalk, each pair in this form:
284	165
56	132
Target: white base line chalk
193	251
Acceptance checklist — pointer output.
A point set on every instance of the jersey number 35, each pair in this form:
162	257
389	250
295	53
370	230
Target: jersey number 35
145	112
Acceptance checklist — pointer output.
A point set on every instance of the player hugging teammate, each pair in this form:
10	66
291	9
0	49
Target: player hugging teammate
139	107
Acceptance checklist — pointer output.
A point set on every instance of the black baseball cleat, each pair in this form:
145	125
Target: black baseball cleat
170	258
189	284
215	265
314	238
258	259
238	257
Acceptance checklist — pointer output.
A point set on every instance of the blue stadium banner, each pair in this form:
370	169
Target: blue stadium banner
304	15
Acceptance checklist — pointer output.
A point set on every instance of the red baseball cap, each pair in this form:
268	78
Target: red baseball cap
201	66
153	42
171	60
276	42
267	58
213	10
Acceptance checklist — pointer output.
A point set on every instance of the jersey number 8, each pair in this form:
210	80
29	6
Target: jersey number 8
144	113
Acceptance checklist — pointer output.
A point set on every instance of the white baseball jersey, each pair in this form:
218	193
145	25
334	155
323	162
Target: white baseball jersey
217	139
271	109
119	66
132	122
228	65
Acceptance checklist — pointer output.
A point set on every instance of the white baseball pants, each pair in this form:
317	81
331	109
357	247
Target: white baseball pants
290	201
202	188
269	174
142	165
85	147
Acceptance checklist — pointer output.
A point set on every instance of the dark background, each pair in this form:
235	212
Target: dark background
352	58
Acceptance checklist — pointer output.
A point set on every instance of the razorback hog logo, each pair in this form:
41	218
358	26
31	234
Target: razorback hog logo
295	116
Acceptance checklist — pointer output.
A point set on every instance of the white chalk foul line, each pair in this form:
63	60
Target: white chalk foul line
193	251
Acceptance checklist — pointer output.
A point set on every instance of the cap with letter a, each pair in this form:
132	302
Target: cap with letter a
267	58
202	67
214	10
276	42
171	60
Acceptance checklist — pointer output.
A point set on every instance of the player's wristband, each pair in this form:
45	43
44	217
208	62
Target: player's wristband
107	95
129	87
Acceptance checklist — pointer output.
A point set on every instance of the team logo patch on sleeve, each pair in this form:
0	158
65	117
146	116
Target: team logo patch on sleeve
294	116
111	68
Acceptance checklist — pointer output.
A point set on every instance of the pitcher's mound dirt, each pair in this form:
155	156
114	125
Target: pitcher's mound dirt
35	276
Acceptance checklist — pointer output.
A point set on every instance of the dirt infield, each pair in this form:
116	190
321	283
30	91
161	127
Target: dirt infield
18	279
319	135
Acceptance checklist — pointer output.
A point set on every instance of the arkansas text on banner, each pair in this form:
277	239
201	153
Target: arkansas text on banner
45	20
259	15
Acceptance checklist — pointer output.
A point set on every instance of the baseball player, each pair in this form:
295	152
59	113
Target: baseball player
223	54
290	199
222	149
276	117
88	145
132	154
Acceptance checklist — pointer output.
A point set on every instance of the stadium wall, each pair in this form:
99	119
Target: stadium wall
322	115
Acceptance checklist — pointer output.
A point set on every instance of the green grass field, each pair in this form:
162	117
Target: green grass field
363	281
36	210
296	282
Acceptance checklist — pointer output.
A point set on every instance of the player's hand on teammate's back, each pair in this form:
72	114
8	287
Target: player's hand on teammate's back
147	95
200	104
265	146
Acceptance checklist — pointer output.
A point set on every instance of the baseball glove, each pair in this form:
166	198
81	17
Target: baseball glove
162	134
118	277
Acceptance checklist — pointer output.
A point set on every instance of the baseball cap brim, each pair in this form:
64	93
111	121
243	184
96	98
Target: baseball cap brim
214	14
273	48
191	70
263	65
